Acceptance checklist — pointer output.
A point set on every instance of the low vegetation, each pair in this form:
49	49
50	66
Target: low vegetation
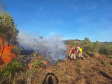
93	48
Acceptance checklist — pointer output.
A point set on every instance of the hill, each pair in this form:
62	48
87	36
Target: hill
91	70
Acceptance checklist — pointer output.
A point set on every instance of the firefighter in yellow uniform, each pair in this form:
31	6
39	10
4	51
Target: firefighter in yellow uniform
79	51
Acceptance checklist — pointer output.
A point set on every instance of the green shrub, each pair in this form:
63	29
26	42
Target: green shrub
16	50
93	47
37	63
8	70
105	51
35	54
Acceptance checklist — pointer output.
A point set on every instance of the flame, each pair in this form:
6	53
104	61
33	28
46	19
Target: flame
7	54
45	62
44	65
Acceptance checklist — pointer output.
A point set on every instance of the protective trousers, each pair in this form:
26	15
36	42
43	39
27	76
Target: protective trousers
80	54
73	56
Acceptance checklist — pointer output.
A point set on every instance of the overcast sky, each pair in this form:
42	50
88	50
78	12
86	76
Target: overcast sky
70	19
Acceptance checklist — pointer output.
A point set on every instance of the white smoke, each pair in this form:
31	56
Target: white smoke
53	47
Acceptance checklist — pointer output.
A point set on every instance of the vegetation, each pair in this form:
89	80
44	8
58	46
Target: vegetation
93	48
9	52
8	28
38	63
8	70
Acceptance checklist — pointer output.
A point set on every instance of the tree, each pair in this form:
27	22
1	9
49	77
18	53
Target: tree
8	31
86	39
85	42
8	28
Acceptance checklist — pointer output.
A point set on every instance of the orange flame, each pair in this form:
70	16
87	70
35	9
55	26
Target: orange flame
45	62
44	65
7	54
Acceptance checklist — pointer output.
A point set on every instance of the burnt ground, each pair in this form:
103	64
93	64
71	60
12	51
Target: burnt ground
91	70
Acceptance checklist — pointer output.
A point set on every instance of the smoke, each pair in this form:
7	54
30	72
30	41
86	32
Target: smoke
52	48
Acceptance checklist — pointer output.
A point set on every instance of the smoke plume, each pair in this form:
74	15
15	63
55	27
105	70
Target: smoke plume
52	48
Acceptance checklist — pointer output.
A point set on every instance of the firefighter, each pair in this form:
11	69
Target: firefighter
72	52
79	51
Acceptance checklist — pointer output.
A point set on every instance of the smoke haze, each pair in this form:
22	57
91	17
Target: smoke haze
52	48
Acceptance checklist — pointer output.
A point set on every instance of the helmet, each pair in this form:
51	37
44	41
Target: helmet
78	46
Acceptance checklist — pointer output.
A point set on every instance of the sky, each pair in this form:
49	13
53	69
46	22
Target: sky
69	19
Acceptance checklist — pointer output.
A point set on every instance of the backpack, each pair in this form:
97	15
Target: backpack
80	49
73	51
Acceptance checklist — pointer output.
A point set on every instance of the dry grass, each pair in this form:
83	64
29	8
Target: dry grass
91	70
87	71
